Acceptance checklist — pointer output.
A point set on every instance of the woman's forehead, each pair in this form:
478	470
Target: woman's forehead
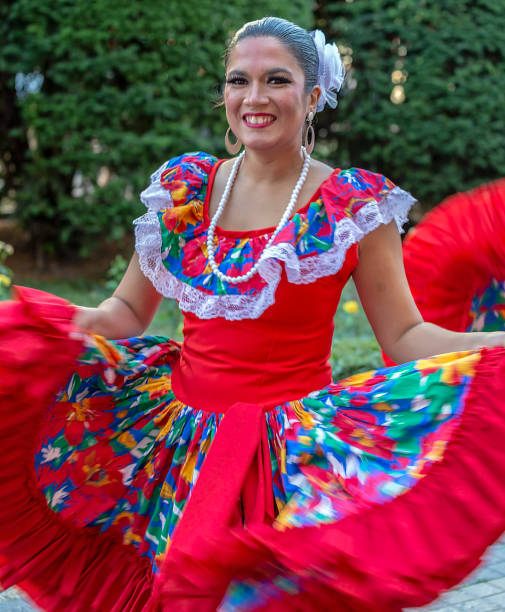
262	53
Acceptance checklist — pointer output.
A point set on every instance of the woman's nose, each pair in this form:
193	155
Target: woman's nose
256	94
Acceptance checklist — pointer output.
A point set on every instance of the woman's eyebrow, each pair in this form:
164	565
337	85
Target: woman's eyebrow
242	73
236	73
275	70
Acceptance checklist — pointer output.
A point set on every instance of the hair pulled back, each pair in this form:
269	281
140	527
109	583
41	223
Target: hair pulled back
297	40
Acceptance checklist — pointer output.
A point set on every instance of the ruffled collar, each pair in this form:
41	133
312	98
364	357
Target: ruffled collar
171	237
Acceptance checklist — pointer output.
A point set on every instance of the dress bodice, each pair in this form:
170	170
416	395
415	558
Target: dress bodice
266	340
281	355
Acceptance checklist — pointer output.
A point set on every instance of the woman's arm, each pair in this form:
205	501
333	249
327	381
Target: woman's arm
397	323
127	312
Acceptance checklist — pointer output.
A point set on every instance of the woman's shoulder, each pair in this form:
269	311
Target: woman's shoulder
367	198
355	181
198	164
340	185
178	180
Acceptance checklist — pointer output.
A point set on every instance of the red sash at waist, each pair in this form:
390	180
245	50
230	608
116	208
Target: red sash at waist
241	442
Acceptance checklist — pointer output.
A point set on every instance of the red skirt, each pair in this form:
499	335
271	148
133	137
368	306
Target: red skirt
345	545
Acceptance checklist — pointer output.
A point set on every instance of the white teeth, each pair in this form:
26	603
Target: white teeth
254	119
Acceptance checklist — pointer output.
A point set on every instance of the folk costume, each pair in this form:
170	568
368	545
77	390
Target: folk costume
230	472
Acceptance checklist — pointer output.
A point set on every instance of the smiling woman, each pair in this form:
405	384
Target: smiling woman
231	472
265	95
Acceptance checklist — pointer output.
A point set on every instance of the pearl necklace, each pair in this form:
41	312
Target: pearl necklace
285	217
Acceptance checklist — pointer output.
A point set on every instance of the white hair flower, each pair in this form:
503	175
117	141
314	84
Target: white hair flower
331	71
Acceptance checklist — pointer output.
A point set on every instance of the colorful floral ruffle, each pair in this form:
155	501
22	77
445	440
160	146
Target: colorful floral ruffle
171	237
119	452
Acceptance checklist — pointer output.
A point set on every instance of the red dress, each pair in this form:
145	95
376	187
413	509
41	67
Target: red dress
231	473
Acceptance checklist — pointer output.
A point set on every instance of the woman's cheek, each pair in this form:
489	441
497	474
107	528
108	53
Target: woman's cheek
231	103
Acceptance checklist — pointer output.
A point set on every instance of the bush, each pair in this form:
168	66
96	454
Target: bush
107	91
352	355
116	271
6	250
424	98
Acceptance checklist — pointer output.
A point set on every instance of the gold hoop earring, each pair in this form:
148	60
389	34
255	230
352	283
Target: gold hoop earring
232	147
309	137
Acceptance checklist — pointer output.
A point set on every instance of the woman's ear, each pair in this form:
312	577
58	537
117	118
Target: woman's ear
314	96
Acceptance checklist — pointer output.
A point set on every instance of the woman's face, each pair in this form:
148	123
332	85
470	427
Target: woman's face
265	99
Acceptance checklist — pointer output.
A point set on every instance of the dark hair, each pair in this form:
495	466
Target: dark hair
296	39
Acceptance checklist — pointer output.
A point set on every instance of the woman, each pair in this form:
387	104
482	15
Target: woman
302	490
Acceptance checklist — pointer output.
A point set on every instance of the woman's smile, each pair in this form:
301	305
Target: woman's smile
258	120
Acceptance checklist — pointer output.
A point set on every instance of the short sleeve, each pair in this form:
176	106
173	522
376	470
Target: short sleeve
174	202
155	197
366	199
177	181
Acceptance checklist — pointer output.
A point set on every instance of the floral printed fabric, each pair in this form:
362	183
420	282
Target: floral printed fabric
171	237
364	440
487	310
119	451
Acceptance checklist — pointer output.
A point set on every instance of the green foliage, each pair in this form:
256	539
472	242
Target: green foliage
445	61
125	85
5	273
352	355
116	271
354	348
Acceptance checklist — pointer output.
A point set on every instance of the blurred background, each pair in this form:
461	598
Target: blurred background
97	94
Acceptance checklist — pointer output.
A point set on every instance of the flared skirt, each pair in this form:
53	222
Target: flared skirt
374	493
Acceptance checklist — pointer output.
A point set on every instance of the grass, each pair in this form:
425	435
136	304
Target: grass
354	348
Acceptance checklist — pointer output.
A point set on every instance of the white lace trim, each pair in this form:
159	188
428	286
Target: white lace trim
155	197
299	271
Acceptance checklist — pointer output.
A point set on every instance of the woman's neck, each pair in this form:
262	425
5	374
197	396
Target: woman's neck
271	166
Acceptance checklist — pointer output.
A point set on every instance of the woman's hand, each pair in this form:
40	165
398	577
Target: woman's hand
114	318
89	319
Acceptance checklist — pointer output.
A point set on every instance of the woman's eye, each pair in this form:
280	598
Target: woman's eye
278	80
273	80
236	81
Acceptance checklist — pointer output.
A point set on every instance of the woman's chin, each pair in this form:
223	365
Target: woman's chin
266	145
